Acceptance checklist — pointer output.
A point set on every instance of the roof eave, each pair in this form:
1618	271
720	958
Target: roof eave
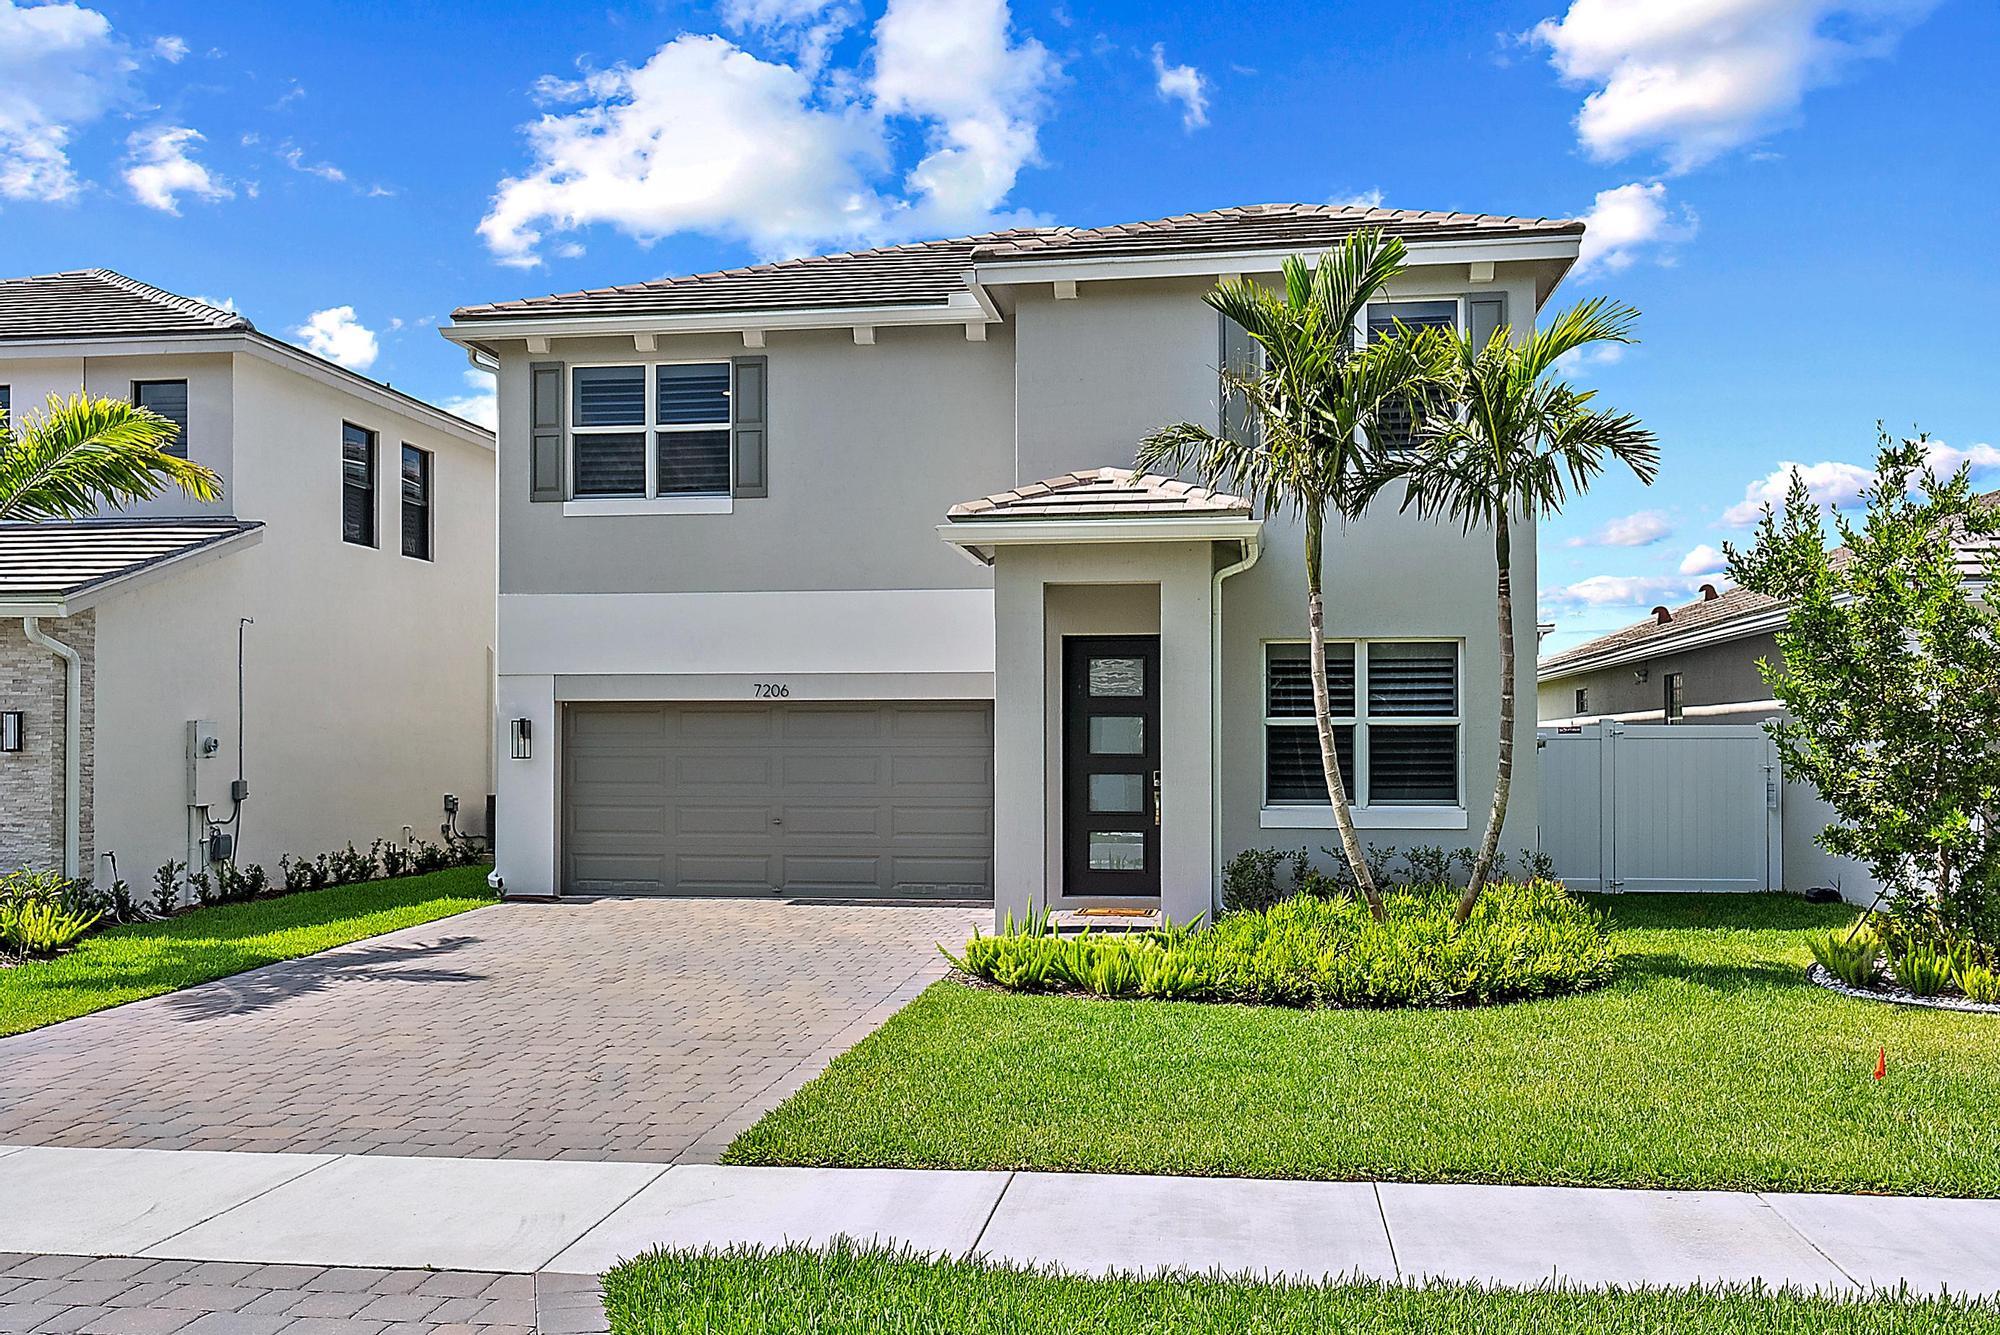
961	308
978	537
131	579
1699	637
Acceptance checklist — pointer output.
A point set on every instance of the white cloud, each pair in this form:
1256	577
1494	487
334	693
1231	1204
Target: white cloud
1618	591
1590	357
338	336
220	303
481	405
1703	560
1694	79
61	67
1642	529
1183	84
707	137
1360	199
807	29
1626	220
295	157
161	168
171	49
1832	482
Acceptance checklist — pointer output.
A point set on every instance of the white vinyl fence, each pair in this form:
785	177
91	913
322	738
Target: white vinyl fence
1682	806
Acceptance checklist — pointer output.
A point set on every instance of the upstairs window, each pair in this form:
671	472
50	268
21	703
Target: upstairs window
1396	422
168	398
1676	704
651	430
1582	700
6	402
416	503
1395	706
357	485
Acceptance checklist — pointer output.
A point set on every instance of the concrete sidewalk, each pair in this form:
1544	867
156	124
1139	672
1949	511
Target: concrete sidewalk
522	1217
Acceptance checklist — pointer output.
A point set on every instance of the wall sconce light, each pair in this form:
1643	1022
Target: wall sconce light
10	730
1640	674
522	732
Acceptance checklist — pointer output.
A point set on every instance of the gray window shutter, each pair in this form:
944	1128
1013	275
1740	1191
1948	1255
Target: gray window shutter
545	432
750	426
1237	353
1485	314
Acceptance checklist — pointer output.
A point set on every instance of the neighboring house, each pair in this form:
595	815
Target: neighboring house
821	577
1694	663
337	601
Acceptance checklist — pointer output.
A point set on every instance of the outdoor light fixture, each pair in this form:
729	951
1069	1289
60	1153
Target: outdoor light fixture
10	730
523	734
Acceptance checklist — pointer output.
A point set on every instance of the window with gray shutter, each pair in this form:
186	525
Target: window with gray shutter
691	418
652	430
168	398
357	485
1396	421
607	430
1402	751
1485	316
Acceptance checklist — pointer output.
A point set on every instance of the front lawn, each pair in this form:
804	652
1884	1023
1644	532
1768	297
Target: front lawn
122	964
859	1293
1709	1062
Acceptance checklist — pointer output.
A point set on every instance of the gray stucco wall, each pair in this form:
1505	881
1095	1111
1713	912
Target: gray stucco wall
1716	674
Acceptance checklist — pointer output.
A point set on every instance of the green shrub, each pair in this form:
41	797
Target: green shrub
1850	956
41	927
1250	880
1923	970
1978	982
1523	940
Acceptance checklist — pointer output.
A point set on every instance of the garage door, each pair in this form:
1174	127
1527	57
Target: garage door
875	800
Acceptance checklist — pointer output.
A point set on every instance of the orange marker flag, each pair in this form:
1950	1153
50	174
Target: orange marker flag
1882	1064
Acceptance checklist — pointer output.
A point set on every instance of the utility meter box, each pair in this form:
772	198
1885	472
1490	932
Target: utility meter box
207	772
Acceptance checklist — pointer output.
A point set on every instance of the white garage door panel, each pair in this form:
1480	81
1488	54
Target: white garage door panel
862	799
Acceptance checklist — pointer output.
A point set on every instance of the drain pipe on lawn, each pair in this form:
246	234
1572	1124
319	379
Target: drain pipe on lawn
72	743
1253	548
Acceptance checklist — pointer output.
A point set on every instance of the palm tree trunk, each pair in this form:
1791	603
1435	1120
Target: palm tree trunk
1503	781
1329	755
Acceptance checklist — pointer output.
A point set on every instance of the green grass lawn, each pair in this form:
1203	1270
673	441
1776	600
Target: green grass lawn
849	1293
1710	1062
137	960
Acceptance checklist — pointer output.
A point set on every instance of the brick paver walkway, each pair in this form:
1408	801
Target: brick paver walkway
591	1029
131	1295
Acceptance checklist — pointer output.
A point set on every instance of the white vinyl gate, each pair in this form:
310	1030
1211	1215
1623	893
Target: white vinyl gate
1634	806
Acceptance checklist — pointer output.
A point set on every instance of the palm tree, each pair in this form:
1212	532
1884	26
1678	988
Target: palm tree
1507	439
84	454
1313	404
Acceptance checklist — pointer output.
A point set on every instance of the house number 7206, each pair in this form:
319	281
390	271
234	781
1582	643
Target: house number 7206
772	690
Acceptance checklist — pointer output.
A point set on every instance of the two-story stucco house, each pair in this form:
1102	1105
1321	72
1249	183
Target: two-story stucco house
813	579
321	634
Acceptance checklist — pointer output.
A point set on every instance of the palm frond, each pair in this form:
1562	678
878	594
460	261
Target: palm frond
83	454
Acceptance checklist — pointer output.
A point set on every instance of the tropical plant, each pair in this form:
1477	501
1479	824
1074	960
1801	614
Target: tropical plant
82	454
1314	403
1501	437
1924	970
42	927
1890	679
1978	982
1852	957
1250	879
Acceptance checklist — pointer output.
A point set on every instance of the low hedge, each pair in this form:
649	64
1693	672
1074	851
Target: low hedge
1523	940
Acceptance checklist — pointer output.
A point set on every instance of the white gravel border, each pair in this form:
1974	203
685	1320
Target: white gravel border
1817	975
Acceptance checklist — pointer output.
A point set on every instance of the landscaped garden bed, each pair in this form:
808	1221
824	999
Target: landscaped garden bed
1708	1061
844	1291
1523	940
143	959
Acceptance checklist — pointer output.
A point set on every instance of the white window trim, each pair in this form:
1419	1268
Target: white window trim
652	503
1388	815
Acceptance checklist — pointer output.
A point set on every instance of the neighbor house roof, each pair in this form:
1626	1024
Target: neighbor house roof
97	303
57	561
1100	493
932	273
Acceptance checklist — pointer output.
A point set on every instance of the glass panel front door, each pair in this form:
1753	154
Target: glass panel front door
1111	766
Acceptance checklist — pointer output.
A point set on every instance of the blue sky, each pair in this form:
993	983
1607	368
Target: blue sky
1800	195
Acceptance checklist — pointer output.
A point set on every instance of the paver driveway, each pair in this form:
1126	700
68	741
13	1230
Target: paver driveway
590	1029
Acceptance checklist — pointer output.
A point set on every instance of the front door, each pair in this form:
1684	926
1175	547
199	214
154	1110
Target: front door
1111	766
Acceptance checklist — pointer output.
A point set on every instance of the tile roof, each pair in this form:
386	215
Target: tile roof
60	559
1100	493
98	303
930	273
1262	227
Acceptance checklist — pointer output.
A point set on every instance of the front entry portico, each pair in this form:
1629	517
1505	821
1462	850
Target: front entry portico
1105	621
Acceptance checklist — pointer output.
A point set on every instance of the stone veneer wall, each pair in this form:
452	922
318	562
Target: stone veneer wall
31	780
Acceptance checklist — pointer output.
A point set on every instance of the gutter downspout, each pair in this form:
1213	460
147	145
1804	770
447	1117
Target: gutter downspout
72	743
1253	547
